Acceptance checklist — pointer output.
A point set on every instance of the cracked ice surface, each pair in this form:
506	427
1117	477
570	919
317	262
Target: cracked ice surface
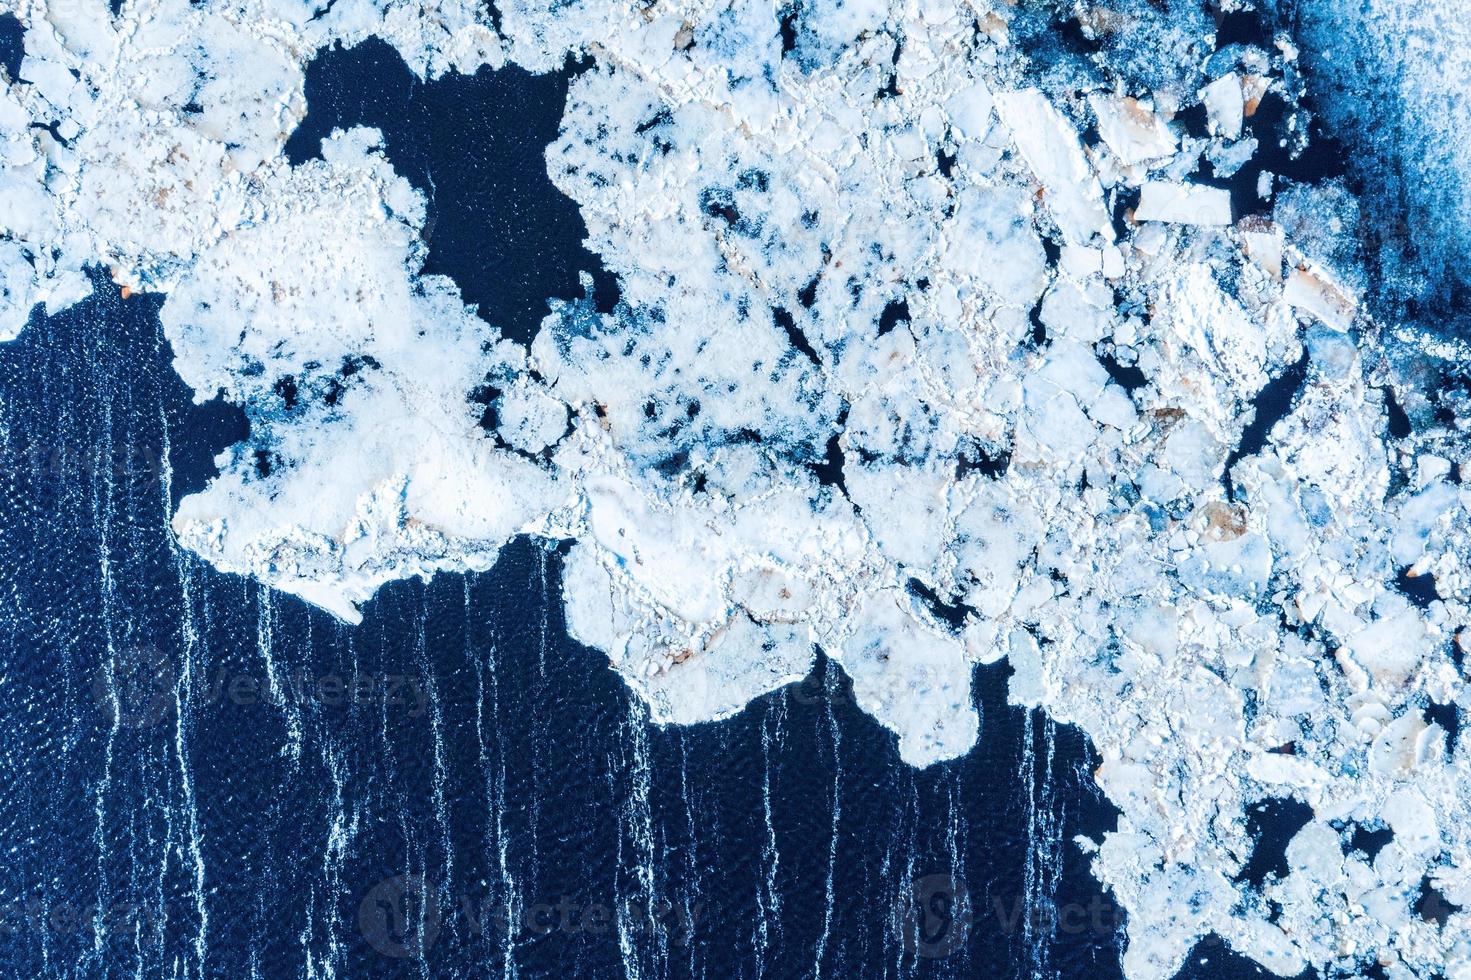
932	350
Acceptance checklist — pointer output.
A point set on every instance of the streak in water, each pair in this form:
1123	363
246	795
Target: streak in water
829	682
193	846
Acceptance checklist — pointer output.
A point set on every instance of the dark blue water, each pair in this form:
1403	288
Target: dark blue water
12	44
201	778
473	145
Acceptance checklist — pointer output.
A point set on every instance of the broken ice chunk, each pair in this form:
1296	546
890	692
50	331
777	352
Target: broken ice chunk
992	239
1390	646
915	682
1311	290
530	419
970	111
1050	146
1263	243
1133	130
1228	157
1184	204
17	290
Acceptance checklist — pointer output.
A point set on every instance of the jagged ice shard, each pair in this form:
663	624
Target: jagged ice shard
947	332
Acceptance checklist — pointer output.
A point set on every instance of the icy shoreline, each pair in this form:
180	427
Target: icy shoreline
934	348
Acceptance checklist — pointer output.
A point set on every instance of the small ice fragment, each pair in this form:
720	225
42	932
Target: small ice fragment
1224	106
1263	244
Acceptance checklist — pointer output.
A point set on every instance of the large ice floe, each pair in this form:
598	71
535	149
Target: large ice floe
948	332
